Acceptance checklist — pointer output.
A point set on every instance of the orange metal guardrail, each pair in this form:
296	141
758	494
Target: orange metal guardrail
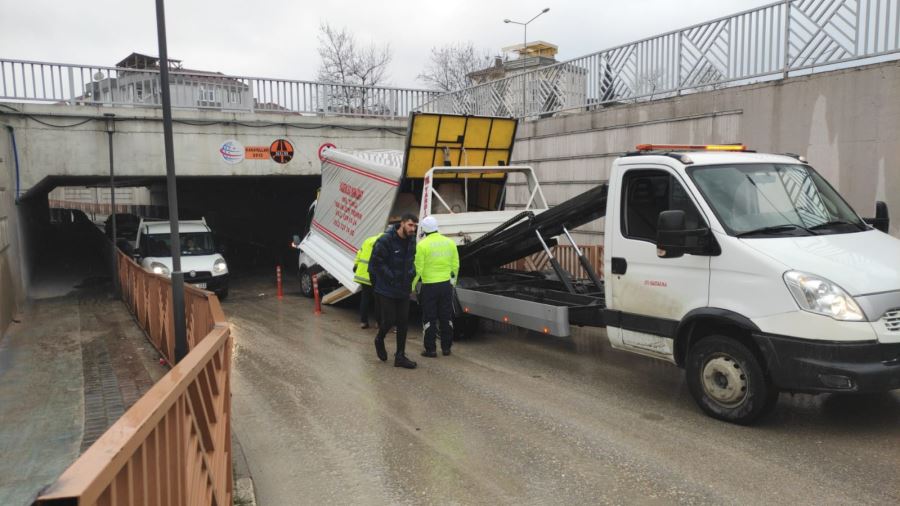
174	445
567	258
150	298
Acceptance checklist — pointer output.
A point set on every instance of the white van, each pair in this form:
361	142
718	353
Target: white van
202	264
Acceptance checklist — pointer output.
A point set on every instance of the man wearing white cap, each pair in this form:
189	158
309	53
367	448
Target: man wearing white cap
437	264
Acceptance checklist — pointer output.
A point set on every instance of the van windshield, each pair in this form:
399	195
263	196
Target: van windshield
768	199
192	244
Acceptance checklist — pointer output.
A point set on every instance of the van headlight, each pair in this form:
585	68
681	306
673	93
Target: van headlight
158	268
219	266
820	296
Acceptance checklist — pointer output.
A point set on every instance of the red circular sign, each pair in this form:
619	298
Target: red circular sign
282	151
322	148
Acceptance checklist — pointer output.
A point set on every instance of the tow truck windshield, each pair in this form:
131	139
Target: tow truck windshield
766	200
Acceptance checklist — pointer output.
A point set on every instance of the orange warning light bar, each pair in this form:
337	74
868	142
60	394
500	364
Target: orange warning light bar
691	147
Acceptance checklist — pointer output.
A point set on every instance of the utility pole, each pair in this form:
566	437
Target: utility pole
177	275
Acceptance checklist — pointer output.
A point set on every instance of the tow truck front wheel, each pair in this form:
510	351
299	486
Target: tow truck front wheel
728	382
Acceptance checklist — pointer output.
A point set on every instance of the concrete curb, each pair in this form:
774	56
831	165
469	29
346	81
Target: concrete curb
244	492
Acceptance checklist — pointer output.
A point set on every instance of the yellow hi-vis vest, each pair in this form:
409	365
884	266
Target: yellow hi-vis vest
363	255
436	259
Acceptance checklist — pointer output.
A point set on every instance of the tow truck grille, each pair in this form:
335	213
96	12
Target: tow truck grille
892	320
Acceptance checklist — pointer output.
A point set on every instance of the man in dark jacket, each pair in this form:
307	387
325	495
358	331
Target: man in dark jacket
392	268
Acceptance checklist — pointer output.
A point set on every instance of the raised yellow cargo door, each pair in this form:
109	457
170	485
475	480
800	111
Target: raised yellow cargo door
437	140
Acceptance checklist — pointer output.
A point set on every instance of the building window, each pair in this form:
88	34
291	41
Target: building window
208	94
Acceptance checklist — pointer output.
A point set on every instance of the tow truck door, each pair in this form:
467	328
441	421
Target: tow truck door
650	295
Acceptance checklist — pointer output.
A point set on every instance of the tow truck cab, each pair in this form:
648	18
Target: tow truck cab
751	272
203	266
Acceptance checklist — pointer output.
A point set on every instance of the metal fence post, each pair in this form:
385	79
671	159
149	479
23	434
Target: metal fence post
678	82
252	95
71	86
787	39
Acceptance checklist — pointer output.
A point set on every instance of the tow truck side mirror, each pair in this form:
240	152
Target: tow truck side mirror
882	219
674	240
670	234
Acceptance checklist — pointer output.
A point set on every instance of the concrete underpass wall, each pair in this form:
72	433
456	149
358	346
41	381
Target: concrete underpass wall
847	123
76	146
12	289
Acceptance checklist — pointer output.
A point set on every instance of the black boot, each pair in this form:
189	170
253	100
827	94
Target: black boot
402	361
380	349
429	354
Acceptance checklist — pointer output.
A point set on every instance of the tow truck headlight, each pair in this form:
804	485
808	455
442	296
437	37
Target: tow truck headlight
159	268
219	266
820	296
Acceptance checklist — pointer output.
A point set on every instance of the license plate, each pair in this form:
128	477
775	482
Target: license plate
200	285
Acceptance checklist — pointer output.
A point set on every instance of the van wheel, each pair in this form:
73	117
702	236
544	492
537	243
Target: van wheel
222	294
728	382
306	283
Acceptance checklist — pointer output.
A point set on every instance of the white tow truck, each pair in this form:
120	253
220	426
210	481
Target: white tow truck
748	270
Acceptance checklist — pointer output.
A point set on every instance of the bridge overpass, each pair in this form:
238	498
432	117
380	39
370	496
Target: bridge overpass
68	145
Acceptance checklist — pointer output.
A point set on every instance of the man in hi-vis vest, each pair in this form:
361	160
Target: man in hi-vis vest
437	264
361	276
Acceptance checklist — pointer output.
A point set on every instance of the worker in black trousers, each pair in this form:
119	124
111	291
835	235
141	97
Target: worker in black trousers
437	264
392	267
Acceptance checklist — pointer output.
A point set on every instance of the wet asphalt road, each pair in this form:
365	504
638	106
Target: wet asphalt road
520	418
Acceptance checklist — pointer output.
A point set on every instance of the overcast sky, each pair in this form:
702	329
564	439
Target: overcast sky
278	38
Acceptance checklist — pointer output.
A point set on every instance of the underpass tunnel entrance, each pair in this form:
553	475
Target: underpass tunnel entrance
252	219
62	223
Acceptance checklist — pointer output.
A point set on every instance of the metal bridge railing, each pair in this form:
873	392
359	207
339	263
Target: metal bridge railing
31	81
770	41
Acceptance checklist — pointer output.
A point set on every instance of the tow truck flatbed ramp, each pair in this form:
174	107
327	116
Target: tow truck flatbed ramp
517	239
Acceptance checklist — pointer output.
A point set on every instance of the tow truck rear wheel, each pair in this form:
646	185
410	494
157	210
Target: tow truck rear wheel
306	283
465	327
728	382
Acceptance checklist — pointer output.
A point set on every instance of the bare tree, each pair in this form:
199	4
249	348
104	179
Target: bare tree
649	82
709	77
449	66
345	62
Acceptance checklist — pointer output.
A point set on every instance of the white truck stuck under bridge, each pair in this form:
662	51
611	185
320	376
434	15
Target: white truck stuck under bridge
748	270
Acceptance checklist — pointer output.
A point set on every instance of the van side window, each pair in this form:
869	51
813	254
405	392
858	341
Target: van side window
646	193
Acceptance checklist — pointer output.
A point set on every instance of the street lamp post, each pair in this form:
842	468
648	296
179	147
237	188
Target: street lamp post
110	130
176	275
524	46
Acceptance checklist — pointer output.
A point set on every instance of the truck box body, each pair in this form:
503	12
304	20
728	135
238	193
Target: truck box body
356	200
